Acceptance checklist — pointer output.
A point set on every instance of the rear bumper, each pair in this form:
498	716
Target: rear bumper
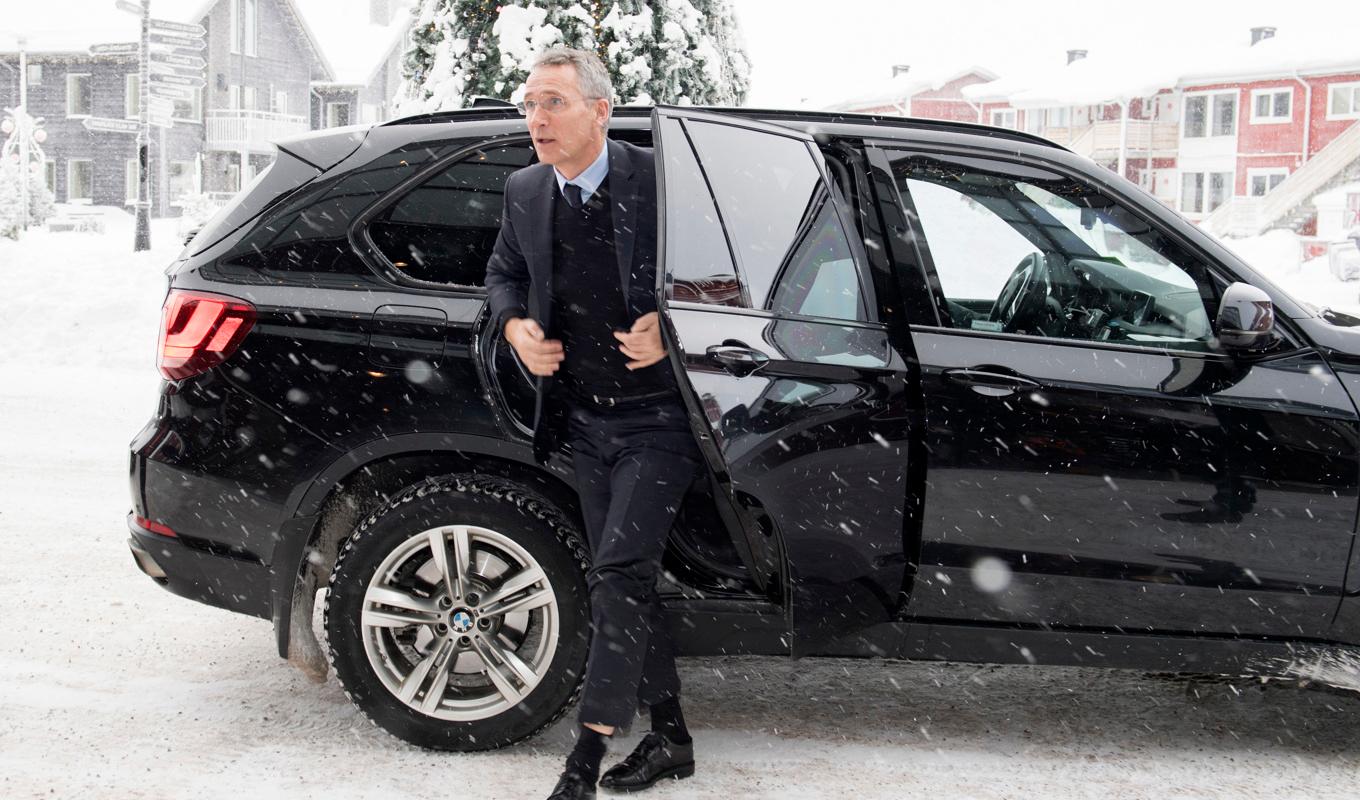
190	568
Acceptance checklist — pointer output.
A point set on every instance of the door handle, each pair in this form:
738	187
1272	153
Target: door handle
990	382
736	357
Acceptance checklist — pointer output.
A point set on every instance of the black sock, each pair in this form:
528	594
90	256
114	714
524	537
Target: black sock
589	751
669	721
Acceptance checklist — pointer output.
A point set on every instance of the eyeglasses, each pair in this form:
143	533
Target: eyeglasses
552	105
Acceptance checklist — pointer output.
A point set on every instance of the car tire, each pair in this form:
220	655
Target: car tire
415	637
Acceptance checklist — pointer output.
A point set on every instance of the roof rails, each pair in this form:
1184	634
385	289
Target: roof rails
626	112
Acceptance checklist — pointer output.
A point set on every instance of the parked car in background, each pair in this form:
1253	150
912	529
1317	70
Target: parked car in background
963	395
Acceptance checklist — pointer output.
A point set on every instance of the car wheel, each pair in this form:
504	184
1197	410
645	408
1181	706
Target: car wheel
457	615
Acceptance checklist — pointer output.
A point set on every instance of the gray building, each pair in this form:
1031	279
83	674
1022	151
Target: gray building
275	68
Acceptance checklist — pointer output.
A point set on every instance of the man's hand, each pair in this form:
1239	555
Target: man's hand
642	344
541	355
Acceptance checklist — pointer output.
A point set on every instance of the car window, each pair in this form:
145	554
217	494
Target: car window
305	237
443	230
698	257
792	252
1029	252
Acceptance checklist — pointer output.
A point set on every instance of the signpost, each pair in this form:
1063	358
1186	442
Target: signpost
172	71
115	49
111	125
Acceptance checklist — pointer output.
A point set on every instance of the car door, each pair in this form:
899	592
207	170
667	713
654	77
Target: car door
1096	459
800	401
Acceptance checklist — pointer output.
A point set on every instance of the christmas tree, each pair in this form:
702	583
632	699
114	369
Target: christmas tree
665	51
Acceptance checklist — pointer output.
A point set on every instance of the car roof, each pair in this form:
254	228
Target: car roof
813	122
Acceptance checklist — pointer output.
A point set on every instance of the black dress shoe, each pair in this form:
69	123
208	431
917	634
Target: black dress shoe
573	786
655	758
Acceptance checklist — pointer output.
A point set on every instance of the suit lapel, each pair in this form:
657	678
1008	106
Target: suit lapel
623	191
537	220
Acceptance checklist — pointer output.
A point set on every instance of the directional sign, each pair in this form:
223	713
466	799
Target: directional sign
170	69
182	28
172	92
129	6
161	79
111	125
155	104
178	41
115	49
172	60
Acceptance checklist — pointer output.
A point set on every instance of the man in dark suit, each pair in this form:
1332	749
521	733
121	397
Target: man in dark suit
572	283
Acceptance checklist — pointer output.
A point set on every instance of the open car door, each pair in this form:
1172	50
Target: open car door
800	402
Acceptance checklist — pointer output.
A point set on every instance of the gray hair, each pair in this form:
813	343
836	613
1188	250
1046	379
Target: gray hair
591	76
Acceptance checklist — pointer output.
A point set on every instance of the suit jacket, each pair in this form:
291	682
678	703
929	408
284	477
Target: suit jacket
519	274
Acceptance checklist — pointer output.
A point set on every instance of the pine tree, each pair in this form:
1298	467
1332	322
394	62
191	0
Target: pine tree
669	51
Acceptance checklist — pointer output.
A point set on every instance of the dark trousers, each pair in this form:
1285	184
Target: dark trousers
633	467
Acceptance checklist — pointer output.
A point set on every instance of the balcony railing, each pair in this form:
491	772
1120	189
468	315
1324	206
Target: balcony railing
1102	138
234	129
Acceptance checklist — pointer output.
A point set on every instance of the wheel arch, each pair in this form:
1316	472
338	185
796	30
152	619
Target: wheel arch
325	511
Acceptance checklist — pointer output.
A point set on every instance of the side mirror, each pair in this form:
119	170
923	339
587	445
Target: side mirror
1246	317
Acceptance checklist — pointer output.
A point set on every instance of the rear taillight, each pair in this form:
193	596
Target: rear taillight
200	331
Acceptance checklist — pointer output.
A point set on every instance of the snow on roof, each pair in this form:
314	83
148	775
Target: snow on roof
1098	78
67	26
353	47
1113	76
901	86
1279	55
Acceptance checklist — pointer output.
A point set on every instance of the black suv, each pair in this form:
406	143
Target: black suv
963	395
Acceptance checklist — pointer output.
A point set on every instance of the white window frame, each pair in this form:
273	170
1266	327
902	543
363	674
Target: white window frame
35	70
349	115
132	96
250	99
1354	88
250	27
1002	114
1271	119
280	102
70	94
1267	173
195	108
1058	117
234	96
1209	113
234	30
1208	174
70	180
188	171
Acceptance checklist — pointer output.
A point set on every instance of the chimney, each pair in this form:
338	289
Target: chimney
379	12
1075	55
1261	34
900	69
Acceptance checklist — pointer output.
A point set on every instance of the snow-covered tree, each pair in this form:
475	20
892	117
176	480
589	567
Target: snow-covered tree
670	51
11	200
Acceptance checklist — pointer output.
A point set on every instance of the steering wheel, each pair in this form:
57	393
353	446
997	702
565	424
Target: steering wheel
1024	295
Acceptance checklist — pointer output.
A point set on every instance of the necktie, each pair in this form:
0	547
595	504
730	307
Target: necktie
573	194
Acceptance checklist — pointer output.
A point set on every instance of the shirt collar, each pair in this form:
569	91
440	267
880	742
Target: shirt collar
591	177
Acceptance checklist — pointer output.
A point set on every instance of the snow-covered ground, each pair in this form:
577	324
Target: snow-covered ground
111	687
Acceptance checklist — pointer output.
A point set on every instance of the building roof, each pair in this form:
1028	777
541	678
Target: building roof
1109	76
70	26
901	86
353	46
99	22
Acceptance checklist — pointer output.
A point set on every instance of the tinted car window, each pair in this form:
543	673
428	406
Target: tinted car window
792	251
284	175
698	257
1030	252
443	230
307	235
